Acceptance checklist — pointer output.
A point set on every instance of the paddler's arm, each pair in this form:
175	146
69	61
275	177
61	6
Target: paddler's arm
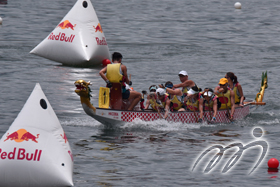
187	83
102	74
232	101
201	107
147	102
241	95
218	90
167	104
174	92
124	70
215	107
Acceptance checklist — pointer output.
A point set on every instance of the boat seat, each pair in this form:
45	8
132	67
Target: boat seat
116	96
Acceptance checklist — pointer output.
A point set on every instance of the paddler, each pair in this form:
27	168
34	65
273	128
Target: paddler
226	96
175	96
192	100
236	87
208	102
117	73
164	101
186	84
151	98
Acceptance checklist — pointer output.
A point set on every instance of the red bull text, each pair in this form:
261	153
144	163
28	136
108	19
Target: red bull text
101	42
21	154
61	37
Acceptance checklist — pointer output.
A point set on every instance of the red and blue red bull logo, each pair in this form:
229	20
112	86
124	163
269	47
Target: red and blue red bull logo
66	25
22	135
98	28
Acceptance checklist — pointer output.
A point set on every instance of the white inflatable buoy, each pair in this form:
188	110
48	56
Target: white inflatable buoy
237	5
1	20
35	151
78	40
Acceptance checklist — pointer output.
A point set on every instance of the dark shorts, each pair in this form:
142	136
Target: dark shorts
125	95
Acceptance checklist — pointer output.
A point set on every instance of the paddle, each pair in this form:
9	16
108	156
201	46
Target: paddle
254	103
196	119
228	114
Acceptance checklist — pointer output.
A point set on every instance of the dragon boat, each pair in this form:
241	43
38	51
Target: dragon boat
108	116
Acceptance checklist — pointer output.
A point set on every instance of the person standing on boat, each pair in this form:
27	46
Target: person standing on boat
186	84
164	101
208	102
236	87
226	96
117	73
175	96
151	98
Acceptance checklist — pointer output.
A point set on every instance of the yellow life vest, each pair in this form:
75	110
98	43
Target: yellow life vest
113	73
224	100
237	97
153	104
176	103
193	106
211	103
185	91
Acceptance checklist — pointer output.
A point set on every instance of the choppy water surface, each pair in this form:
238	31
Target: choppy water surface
157	40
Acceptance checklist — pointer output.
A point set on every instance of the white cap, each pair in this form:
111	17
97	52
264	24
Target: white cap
183	73
191	92
209	94
161	91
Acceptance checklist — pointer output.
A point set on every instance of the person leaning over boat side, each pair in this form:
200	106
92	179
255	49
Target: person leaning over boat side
117	73
175	96
192	100
208	102
151	98
226	96
236	87
186	84
165	101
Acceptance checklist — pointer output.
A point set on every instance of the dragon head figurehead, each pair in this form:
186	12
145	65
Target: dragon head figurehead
260	95
82	88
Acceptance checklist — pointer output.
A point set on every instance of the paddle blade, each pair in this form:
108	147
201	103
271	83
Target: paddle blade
104	97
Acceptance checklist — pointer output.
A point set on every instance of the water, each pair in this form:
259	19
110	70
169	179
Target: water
157	40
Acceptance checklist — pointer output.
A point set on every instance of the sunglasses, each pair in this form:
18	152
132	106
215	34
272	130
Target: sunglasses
222	84
152	90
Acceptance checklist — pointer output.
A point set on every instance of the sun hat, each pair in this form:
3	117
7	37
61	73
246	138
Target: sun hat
161	91
191	92
223	81
209	94
183	73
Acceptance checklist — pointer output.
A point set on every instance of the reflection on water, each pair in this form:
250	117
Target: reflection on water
225	133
